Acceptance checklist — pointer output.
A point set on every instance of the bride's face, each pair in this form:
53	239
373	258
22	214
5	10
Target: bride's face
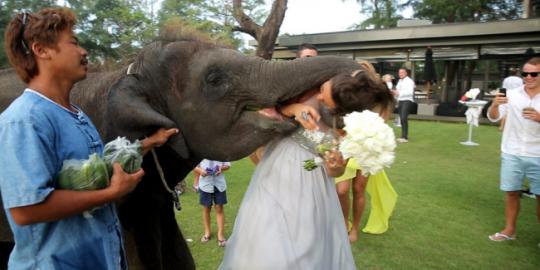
325	95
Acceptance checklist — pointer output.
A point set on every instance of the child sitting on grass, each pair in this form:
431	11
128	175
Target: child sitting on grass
212	188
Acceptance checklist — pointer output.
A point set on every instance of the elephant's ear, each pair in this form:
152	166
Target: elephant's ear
130	114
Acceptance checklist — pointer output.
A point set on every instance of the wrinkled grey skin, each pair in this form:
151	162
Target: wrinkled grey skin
203	90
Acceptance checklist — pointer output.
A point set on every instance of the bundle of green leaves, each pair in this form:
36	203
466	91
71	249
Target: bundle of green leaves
95	172
122	151
89	174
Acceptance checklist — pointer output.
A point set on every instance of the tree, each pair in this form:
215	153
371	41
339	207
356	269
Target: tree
112	29
8	9
383	14
531	8
442	11
200	15
214	17
266	34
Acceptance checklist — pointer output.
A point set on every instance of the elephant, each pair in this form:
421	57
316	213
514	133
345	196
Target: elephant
213	95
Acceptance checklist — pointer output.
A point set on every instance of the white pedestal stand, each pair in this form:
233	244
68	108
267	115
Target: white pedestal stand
472	104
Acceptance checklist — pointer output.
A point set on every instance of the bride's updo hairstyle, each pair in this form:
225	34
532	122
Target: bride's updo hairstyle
361	90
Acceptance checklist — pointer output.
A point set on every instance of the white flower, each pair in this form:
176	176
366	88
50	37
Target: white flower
313	135
472	93
369	140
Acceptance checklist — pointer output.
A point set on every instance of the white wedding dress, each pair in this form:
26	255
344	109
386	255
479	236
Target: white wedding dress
289	218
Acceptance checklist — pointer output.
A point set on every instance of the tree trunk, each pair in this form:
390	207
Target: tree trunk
450	77
443	84
527	9
471	65
265	35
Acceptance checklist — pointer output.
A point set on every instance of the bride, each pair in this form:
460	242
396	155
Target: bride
290	218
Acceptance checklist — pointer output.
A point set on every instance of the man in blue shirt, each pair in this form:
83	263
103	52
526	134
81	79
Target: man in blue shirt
40	130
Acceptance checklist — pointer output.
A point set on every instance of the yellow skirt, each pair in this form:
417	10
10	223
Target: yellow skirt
382	194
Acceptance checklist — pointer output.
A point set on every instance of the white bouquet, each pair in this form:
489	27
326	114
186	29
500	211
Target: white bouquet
369	140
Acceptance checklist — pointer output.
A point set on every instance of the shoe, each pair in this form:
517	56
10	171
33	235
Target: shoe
499	237
402	140
205	238
527	193
222	243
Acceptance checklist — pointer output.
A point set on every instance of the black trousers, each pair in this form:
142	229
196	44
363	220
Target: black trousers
404	107
5	250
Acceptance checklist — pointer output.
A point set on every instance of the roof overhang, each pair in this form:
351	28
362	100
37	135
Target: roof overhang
468	40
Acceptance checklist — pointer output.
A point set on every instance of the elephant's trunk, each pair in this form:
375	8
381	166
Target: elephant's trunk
284	80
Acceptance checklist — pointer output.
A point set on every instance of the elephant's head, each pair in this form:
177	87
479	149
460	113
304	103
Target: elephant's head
212	95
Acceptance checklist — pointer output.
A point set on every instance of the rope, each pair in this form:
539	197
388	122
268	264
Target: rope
164	182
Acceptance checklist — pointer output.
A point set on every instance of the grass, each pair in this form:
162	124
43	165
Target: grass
449	202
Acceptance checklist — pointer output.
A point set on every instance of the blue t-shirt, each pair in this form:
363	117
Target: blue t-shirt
36	136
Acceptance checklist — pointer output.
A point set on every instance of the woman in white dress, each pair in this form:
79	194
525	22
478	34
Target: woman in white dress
290	218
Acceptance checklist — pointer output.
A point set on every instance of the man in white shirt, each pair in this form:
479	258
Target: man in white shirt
513	81
520	147
405	96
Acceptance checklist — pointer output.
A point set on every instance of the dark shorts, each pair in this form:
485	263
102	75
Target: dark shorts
218	197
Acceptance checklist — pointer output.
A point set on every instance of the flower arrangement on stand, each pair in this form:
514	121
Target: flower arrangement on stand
470	95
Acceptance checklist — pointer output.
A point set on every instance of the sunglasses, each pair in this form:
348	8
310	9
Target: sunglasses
533	74
24	20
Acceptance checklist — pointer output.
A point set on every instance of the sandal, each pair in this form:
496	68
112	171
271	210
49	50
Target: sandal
205	238
499	237
222	243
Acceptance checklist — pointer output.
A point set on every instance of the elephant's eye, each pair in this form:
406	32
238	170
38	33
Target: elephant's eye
214	79
216	84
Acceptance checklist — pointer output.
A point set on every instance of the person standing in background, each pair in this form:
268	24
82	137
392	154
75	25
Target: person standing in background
306	50
405	95
389	80
212	191
513	81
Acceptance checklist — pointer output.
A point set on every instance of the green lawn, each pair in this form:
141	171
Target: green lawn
449	202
